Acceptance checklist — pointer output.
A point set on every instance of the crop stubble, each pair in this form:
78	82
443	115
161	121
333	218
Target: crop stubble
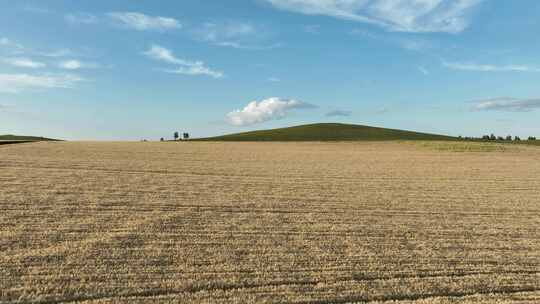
268	222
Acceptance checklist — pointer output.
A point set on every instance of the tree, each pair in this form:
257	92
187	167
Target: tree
509	138
162	139
492	137
186	136
176	135
532	138
485	137
517	138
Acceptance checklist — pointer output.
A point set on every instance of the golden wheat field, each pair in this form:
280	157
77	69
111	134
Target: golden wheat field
388	222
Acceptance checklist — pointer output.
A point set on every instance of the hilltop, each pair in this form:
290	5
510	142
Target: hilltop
10	139
329	132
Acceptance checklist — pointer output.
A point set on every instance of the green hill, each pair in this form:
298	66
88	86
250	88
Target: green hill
329	132
24	138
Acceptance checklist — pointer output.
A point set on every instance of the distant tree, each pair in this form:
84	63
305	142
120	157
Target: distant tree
186	136
162	139
492	137
509	138
532	138
517	138
176	135
485	137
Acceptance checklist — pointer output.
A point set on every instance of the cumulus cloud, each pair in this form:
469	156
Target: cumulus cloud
450	16
14	83
185	67
142	22
269	109
25	63
337	113
507	104
76	65
489	67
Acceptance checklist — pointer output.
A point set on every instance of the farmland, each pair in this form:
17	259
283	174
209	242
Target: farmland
275	222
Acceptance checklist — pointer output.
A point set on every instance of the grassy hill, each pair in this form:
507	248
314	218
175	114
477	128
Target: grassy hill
329	132
17	138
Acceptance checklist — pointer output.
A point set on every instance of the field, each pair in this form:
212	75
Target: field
228	222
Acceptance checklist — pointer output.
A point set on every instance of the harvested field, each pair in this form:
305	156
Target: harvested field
207	222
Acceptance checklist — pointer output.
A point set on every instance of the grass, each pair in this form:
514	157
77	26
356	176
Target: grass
330	132
464	146
24	138
312	222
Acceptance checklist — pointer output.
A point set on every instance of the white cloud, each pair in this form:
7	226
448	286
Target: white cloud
142	22
76	65
268	109
186	67
8	43
218	32
37	9
508	104
14	83
57	53
196	70
312	29
25	63
336	113
489	67
236	35
423	70
81	18
450	16
274	79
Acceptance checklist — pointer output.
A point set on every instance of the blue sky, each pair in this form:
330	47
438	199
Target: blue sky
127	70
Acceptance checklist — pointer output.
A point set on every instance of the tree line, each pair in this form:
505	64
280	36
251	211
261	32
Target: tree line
492	137
176	136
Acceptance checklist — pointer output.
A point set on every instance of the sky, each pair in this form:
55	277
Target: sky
132	70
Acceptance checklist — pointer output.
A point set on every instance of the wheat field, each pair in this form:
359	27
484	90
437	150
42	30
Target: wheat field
380	222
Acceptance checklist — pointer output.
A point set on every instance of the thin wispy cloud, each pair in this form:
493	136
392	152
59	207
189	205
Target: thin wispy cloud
274	79
269	109
423	70
238	35
338	113
81	18
77	65
37	9
15	83
57	53
5	42
474	67
142	22
24	63
410	44
312	29
184	67
507	104
422	16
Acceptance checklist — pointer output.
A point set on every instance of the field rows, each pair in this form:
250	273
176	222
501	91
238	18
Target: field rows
268	222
